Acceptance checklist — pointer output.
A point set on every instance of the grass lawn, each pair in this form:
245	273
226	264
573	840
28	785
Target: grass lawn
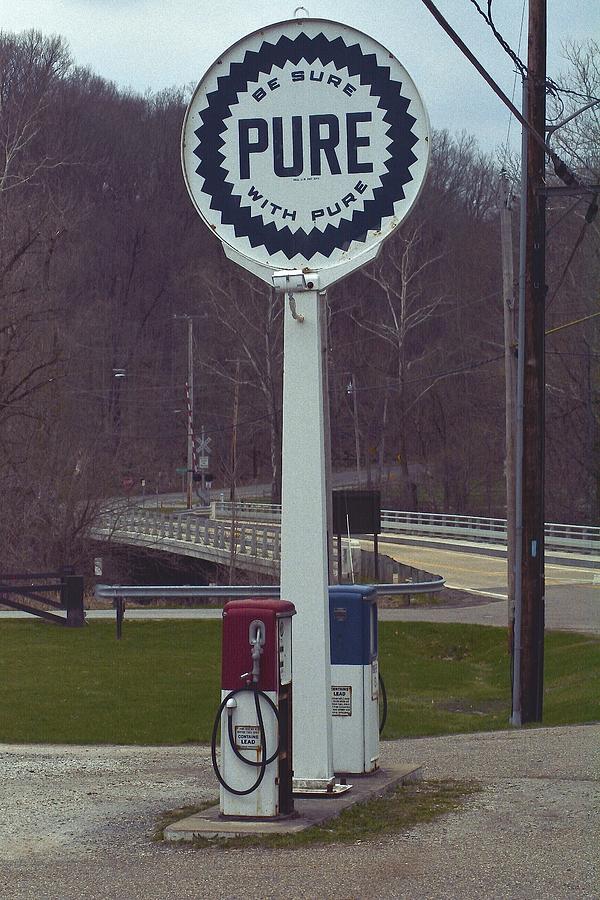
160	683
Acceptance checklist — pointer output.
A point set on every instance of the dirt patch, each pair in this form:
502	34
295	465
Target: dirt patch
483	708
447	597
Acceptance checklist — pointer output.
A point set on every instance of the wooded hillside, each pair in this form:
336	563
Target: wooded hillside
100	248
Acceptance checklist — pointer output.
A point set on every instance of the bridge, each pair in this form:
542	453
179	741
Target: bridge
247	534
252	546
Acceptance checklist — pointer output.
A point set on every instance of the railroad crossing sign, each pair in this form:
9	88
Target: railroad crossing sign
304	146
203	445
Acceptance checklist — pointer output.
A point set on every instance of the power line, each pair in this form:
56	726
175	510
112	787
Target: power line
560	168
578	94
551	86
574	322
573	353
455	37
565	270
510	118
503	43
433	376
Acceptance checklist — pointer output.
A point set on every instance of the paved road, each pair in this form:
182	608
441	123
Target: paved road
564	612
572	591
76	825
471	567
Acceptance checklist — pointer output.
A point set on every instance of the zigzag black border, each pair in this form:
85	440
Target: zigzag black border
400	132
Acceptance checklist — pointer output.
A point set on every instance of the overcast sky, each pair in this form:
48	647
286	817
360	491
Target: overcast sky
154	44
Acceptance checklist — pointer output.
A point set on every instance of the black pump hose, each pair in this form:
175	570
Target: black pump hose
262	765
384	703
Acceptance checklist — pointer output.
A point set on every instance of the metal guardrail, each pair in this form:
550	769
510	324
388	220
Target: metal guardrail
119	593
239	592
581	538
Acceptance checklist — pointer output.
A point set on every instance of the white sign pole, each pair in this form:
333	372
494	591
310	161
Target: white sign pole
304	572
304	147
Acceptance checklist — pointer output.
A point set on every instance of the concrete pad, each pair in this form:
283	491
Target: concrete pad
308	811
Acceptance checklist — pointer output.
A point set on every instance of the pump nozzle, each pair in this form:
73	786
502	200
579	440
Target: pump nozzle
256	636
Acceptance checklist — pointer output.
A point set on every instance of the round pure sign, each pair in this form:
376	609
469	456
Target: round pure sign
304	145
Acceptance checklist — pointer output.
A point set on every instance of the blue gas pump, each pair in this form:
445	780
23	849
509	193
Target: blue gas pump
354	678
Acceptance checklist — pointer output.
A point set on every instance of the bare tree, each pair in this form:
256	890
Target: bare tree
249	317
573	326
31	67
407	305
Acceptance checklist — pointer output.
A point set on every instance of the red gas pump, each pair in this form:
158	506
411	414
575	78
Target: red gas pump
255	715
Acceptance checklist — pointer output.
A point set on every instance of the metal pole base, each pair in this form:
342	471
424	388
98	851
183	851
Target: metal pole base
318	787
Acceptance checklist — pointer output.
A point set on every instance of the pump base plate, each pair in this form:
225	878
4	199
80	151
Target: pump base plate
318	787
310	810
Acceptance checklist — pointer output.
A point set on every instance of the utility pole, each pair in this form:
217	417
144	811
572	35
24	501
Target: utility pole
510	379
236	407
352	390
189	396
532	561
233	466
190	418
515	629
203	445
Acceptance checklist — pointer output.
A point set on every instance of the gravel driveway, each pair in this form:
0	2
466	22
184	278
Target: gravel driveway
76	824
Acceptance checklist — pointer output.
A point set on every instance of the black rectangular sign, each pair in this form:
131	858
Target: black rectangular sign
356	511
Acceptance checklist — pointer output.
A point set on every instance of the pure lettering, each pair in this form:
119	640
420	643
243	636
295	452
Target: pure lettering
279	167
318	144
260	131
355	141
324	143
335	209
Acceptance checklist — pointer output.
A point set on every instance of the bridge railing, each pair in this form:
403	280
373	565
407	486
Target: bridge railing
256	533
443	525
245	509
577	538
150	527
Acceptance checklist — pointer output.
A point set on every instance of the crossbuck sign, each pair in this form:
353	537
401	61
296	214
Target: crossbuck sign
304	146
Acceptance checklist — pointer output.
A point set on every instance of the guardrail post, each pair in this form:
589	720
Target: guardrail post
71	597
120	614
